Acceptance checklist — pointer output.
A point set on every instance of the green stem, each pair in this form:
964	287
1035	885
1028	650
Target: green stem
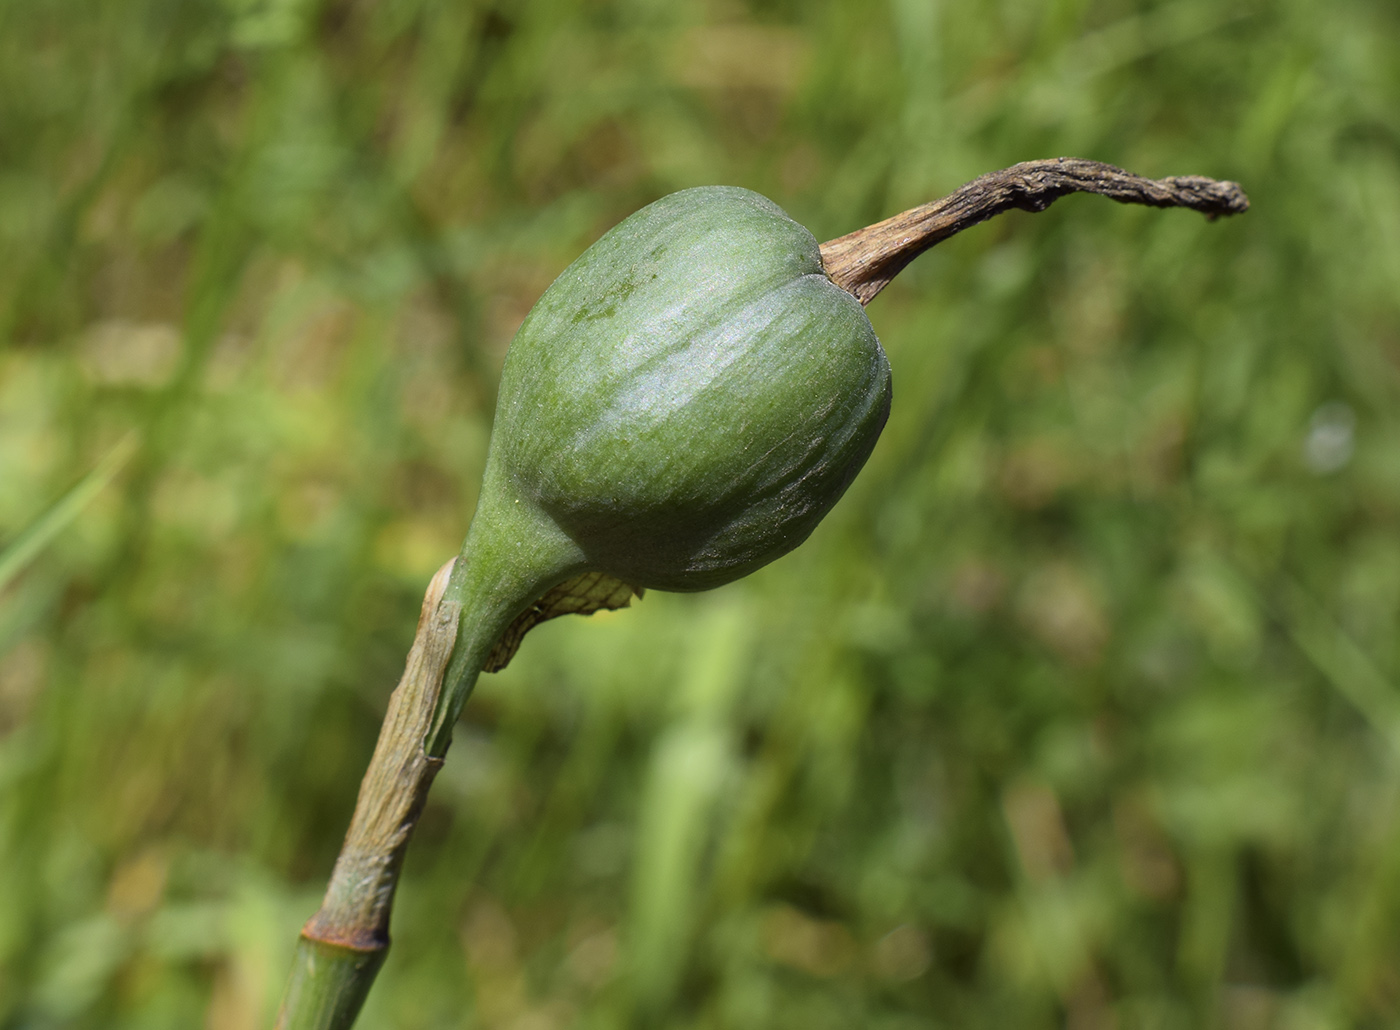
512	554
508	560
328	985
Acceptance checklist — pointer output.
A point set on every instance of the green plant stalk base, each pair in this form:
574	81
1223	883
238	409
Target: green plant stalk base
328	985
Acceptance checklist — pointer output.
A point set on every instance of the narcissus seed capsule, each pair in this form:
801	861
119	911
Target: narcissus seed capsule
692	395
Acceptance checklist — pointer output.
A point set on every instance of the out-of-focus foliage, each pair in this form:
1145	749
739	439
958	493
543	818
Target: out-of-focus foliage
1082	709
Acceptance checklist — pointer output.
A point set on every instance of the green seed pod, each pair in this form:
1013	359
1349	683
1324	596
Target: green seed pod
692	395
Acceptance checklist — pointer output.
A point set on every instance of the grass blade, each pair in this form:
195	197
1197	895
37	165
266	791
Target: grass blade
23	549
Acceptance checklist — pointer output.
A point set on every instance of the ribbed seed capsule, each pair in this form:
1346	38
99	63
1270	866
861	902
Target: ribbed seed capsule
692	395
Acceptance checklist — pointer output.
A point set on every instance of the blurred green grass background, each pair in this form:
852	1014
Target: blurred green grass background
1081	710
